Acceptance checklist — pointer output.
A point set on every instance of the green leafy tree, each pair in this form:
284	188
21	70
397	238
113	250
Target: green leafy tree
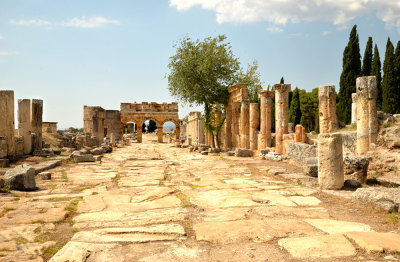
376	71
201	72
389	84
252	78
367	60
397	73
282	80
351	70
295	112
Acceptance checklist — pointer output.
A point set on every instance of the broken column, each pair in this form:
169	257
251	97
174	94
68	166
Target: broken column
265	118
7	119
93	122
330	161
298	133
354	108
254	123
235	124
367	120
24	123
244	124
327	109
281	114
160	133
36	123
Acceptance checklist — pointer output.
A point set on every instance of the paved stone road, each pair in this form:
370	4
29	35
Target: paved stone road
154	202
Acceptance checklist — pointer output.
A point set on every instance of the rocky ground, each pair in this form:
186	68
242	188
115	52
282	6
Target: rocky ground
155	202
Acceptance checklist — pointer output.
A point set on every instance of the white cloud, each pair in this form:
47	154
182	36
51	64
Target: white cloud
8	53
280	12
92	22
1	37
274	29
31	22
82	22
326	33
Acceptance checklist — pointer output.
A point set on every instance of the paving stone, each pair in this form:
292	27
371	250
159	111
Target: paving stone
305	201
234	231
376	241
326	246
336	226
272	199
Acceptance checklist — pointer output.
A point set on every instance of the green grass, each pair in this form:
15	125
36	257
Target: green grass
52	250
184	199
72	206
386	125
393	168
394	217
374	175
59	199
9	208
20	240
40	221
299	182
64	176
37	230
116	178
43	237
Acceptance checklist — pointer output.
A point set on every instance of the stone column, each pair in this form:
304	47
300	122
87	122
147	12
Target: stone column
367	120
354	108
254	123
160	133
281	114
177	131
327	109
24	123
298	134
139	132
3	147
112	139
330	161
265	118
235	123
7	119
36	123
244	124
228	127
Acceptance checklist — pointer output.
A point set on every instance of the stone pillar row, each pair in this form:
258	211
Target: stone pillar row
281	114
29	122
327	109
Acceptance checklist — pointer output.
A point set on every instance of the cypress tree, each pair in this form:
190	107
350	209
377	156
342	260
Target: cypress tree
351	70
376	70
367	60
397	73
295	112
282	80
389	85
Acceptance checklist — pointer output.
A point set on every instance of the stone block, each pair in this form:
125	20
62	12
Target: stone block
301	151
356	167
4	162
21	178
45	175
385	198
243	152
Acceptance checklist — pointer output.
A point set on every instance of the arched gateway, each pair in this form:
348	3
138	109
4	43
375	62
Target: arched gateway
159	113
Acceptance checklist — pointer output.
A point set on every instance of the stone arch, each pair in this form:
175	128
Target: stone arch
159	113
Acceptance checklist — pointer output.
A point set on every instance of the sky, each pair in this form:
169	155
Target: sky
101	52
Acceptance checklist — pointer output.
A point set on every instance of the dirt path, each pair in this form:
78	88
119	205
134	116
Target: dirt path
155	202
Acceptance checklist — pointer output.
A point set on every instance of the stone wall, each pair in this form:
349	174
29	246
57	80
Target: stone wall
112	123
195	128
49	127
93	122
301	151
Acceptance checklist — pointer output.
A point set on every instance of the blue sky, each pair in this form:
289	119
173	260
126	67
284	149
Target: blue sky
74	53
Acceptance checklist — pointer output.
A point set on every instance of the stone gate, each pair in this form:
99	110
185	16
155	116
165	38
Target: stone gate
159	113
